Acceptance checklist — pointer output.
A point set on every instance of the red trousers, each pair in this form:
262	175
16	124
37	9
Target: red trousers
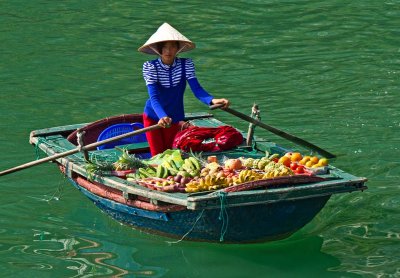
160	139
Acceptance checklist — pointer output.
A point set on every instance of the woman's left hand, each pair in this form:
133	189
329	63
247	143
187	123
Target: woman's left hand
223	101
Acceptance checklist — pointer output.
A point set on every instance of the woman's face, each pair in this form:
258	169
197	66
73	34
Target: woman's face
168	52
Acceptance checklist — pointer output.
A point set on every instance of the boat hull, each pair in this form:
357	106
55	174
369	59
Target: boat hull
244	224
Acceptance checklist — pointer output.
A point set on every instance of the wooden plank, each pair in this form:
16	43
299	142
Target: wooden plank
197	115
56	130
245	198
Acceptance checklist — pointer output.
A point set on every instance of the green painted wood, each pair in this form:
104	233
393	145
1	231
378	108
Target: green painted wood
266	196
337	181
56	130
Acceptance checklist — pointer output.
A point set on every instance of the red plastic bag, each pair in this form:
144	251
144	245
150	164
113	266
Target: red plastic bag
209	139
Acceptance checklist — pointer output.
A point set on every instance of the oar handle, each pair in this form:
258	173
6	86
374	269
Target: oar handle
216	106
73	151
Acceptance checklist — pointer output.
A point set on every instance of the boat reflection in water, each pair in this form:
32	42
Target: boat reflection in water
87	257
147	256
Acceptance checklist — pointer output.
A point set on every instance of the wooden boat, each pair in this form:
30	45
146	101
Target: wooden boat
261	214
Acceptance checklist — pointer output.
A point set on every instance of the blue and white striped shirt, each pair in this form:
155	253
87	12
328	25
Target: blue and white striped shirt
167	76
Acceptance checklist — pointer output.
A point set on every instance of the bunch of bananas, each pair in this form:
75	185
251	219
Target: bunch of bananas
208	182
273	170
259	163
190	168
143	173
246	176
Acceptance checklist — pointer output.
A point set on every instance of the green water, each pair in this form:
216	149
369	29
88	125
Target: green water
326	71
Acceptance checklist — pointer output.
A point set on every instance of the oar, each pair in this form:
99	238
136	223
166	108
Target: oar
84	148
276	131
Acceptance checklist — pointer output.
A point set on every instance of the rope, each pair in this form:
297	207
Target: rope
191	229
223	214
37	149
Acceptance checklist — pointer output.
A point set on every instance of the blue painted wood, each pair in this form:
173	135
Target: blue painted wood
243	224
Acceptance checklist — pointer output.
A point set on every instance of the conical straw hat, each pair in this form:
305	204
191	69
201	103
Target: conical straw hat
166	33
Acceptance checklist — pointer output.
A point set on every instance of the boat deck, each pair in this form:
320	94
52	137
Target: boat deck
54	140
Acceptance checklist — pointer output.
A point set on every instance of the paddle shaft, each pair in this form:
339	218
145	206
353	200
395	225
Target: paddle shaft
276	131
73	151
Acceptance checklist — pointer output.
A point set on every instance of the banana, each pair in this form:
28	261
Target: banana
261	164
172	171
275	155
208	180
213	179
189	164
195	162
248	175
186	168
204	172
165	172
151	171
241	175
183	173
255	163
166	164
159	172
202	183
191	185
174	165
143	173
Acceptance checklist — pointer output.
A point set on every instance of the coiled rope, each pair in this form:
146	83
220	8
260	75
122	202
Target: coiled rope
223	214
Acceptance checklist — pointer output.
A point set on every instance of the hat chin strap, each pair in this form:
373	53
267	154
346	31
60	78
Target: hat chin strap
182	48
155	50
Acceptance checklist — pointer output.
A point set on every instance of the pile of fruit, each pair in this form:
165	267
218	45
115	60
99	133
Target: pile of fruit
190	168
170	172
299	163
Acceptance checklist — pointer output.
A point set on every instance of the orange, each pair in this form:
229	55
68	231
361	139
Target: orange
296	157
285	161
314	159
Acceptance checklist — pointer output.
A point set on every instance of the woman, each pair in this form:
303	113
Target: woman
165	79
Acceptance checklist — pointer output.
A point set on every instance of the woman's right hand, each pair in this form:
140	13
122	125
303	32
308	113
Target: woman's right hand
165	122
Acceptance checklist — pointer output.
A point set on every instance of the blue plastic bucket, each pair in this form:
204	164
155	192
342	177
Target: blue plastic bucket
119	129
